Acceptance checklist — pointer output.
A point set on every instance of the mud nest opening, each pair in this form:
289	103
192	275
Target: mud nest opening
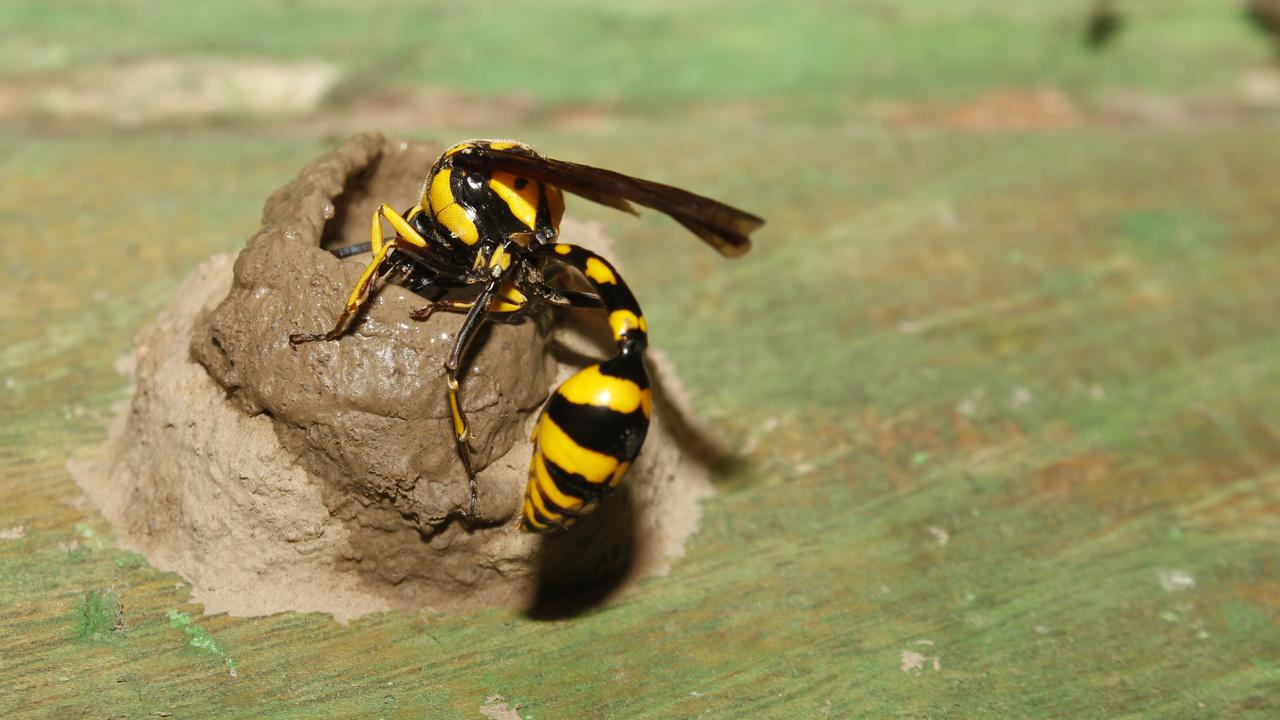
325	477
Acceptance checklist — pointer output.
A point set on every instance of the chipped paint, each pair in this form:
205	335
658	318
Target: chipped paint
200	638
1176	581
495	708
940	534
915	662
912	661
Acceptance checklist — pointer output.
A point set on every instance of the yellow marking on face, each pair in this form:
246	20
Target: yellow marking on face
520	195
547	486
530	518
563	249
446	209
646	402
619	473
599	272
589	386
560	449
555	204
621	321
541	507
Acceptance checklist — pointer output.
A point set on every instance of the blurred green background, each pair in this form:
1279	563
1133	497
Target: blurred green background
1002	368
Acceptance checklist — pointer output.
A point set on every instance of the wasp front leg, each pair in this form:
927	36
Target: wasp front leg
360	293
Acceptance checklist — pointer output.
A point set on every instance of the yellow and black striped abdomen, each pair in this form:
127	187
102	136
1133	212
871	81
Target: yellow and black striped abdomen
585	440
595	422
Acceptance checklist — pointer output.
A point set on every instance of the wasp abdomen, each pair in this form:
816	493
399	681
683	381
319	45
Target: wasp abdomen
595	422
585	440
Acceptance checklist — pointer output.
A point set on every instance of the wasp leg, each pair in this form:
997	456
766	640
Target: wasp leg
476	314
355	301
349	250
507	303
427	311
360	293
568	298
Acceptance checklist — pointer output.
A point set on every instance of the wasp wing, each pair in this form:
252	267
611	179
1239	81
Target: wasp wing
721	226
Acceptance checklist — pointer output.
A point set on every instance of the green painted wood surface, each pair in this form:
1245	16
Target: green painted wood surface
1007	403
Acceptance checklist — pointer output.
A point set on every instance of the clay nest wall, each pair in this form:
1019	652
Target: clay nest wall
325	477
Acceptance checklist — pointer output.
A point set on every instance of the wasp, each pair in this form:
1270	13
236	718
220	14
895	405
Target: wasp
488	217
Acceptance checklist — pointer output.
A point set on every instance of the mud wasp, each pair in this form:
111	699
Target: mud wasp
488	216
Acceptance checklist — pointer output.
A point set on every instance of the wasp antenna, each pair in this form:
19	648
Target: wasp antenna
349	250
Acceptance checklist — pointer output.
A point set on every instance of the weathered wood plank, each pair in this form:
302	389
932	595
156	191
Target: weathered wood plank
1011	430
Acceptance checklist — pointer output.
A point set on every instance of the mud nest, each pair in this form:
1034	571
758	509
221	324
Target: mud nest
325	477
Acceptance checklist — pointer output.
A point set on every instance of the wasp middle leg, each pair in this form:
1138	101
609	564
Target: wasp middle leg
506	305
477	311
